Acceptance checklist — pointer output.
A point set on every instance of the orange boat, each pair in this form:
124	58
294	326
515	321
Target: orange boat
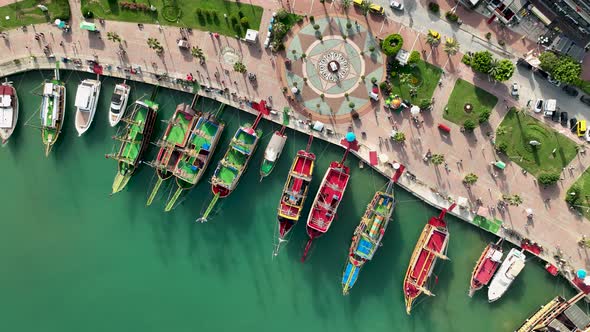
486	266
431	245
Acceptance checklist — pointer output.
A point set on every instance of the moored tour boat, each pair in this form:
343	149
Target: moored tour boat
509	270
8	110
294	194
134	137
486	266
272	153
326	202
431	245
86	102
172	145
118	103
234	163
53	109
197	155
369	233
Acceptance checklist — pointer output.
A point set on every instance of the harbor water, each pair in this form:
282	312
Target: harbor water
76	259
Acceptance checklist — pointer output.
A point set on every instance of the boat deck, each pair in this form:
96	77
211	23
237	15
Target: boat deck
179	129
329	198
131	149
487	269
426	258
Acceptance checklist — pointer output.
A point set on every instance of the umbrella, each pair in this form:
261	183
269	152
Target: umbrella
294	90
189	77
529	212
350	137
581	273
415	110
383	158
57	22
462	201
396	166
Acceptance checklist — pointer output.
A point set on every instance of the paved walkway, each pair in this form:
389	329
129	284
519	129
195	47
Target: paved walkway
554	225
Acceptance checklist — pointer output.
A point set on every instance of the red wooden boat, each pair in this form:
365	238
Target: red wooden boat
326	202
431	245
486	266
294	195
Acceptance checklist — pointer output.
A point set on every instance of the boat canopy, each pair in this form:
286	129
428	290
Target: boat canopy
88	26
275	146
6	116
83	96
515	269
496	256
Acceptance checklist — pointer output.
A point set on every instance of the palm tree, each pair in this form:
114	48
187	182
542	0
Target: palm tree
494	67
432	40
515	200
197	52
437	159
155	45
501	130
365	6
114	37
451	46
240	67
346	4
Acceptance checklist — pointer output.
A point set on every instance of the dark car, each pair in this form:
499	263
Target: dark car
585	99
563	118
542	73
573	123
555	116
570	90
522	62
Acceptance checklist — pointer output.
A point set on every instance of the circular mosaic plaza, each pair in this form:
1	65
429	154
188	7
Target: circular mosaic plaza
334	72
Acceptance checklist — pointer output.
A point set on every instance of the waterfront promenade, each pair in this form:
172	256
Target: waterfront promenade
553	226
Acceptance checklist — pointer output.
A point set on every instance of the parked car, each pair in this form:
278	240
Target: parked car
542	73
553	81
585	99
523	63
396	5
555	116
587	135
514	89
570	90
538	106
563	118
267	41
573	124
376	9
357	2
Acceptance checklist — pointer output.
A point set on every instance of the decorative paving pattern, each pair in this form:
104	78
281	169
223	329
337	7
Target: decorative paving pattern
334	72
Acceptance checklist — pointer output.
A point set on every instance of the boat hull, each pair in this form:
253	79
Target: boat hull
115	117
49	135
506	275
5	133
84	118
484	269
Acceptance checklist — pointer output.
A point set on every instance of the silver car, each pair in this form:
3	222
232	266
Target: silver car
396	5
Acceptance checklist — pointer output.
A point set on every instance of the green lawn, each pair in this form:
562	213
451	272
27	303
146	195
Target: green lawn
465	92
183	13
26	12
583	193
518	129
427	77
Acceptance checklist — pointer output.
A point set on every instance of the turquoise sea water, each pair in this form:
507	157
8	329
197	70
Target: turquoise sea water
75	259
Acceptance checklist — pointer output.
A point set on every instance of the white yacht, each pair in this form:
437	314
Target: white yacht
118	103
86	102
8	110
509	270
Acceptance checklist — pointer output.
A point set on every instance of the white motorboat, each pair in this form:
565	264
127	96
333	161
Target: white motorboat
118	103
509	270
8	110
86	102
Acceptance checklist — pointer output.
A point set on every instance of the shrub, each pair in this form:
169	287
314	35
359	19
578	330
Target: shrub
452	17
484	116
244	22
240	14
348	25
87	13
501	43
470	179
502	147
547	179
466	59
434	7
488	35
383	86
573	195
316	26
199	12
373	80
351	104
312	19
414	57
371	48
392	44
482	62
399	137
424	103
469	125
282	15
234	20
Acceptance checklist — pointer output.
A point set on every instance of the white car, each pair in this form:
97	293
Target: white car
539	106
514	90
396	5
267	41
